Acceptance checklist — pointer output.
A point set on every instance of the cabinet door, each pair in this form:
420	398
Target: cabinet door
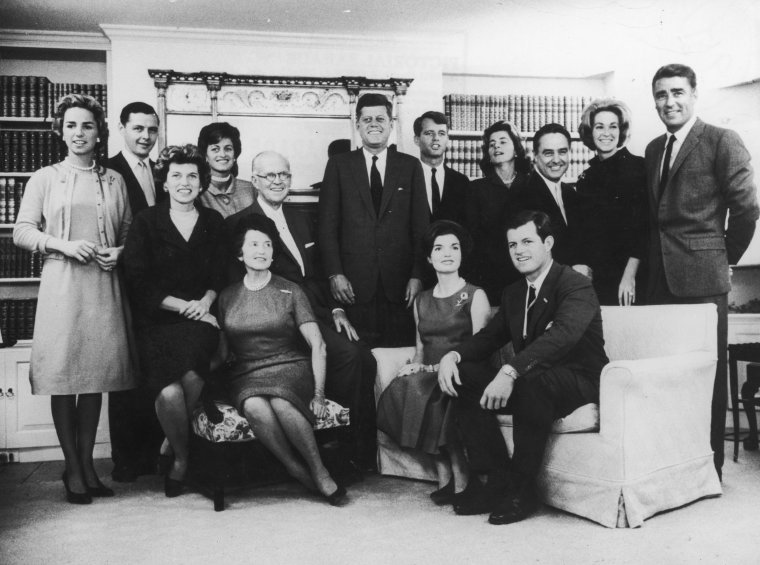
28	420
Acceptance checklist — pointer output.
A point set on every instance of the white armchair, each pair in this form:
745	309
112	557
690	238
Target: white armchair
652	448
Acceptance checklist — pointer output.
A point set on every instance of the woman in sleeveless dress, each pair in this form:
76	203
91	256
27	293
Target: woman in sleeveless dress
412	409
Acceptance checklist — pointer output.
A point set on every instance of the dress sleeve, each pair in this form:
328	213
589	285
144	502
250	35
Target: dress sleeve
28	232
301	307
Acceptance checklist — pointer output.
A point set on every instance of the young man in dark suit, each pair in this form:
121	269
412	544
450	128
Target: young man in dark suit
372	214
546	192
446	188
553	319
698	176
135	432
351	367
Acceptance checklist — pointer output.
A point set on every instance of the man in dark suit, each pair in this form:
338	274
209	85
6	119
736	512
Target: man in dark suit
546	192
446	188
351	367
372	214
697	174
553	319
135	432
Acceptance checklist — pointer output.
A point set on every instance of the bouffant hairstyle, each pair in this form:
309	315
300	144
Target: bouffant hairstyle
182	155
540	220
447	227
88	103
620	109
372	99
675	70
522	163
255	222
214	133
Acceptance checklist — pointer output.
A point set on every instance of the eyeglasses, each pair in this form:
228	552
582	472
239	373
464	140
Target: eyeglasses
271	177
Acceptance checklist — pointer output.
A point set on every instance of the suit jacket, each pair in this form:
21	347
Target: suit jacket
535	195
313	283
134	191
710	177
454	199
367	247
565	328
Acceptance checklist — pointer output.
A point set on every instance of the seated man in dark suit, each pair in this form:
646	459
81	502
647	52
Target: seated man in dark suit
135	432
553	319
351	366
546	192
446	188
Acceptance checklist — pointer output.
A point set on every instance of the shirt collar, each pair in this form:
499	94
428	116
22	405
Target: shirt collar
380	156
270	211
681	134
541	278
550	183
133	159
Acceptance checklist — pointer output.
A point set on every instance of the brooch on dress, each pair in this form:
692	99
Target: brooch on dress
462	299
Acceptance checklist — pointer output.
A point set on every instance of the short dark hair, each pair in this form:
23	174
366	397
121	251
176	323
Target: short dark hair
586	127
373	99
87	103
540	220
548	129
522	163
255	222
447	227
136	108
214	133
182	155
675	70
437	117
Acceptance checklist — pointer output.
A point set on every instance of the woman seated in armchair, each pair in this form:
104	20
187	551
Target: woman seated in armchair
412	409
273	379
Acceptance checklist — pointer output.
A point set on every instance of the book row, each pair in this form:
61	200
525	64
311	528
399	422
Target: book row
17	319
25	151
11	191
16	263
36	97
475	112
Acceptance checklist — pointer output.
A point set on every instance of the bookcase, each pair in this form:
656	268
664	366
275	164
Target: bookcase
470	114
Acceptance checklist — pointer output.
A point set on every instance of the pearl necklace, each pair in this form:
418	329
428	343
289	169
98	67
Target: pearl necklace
83	169
257	286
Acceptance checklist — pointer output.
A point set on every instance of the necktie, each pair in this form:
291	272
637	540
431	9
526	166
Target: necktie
436	192
375	185
145	183
528	308
666	165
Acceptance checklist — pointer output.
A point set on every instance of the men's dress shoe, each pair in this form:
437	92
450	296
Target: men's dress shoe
444	495
123	473
338	498
173	487
100	491
475	499
75	497
514	508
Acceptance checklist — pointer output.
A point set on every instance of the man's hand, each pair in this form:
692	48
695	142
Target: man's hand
585	270
341	323
341	289
448	374
413	288
498	391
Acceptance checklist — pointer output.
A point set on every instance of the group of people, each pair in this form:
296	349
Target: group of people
156	274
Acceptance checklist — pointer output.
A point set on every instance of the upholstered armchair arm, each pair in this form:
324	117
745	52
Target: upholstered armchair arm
658	408
389	361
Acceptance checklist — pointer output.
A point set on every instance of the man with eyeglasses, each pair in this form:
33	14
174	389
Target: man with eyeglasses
351	367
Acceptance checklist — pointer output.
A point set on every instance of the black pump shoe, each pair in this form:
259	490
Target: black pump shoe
173	487
75	497
444	495
338	498
100	491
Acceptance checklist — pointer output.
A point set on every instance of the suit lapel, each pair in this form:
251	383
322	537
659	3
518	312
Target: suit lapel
359	170
543	303
517	295
301	234
548	198
390	182
688	145
257	209
133	185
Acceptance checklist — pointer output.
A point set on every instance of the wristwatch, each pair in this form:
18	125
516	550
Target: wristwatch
509	371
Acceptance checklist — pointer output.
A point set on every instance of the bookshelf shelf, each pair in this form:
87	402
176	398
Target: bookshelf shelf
24	120
12	174
21	280
478	134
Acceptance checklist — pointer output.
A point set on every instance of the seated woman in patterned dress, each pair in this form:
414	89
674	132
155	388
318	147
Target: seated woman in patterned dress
174	261
275	381
412	409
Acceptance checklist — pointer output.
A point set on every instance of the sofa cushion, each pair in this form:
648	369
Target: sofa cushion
234	427
583	419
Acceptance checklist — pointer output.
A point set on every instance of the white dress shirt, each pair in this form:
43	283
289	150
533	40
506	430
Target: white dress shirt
382	159
556	189
680	136
440	176
278	217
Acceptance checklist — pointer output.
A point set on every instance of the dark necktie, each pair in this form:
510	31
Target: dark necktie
666	165
436	192
375	185
529	308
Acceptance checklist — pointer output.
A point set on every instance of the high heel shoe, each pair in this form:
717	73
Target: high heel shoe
100	491
75	497
444	495
173	487
338	498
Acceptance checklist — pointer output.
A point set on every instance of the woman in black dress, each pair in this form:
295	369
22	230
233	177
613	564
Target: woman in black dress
613	188
174	260
490	201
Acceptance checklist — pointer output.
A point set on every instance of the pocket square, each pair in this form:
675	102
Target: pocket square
401	188
307	245
549	325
